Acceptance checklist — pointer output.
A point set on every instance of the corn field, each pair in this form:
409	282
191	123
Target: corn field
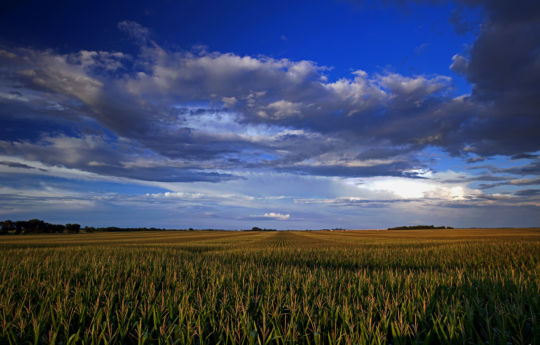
352	287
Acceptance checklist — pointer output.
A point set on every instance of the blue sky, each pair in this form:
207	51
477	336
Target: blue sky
280	115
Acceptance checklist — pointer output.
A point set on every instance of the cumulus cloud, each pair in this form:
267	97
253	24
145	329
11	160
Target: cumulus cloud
189	111
417	88
460	64
280	109
282	95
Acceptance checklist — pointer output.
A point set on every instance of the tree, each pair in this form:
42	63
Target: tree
6	226
19	226
34	226
59	228
73	228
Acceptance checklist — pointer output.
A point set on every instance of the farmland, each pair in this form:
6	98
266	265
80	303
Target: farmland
466	286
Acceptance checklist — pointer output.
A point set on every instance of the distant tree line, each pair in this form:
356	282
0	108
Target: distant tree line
116	229
256	228
420	227
36	226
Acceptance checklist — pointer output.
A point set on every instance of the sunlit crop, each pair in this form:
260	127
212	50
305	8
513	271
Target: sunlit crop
387	287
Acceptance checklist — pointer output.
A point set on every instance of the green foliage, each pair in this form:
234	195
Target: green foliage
382	287
32	226
73	228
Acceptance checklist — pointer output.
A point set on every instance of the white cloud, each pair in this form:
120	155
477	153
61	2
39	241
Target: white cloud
282	108
277	216
460	64
268	216
420	86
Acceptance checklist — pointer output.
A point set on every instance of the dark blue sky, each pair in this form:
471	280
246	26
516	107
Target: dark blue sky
279	114
345	36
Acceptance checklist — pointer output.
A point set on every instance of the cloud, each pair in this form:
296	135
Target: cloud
143	108
24	200
352	201
189	111
398	168
531	168
19	165
460	64
524	156
475	159
528	192
107	157
514	182
280	109
463	179
269	216
418	87
134	29
504	68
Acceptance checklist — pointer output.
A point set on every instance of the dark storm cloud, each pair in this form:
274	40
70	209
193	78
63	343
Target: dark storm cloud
503	66
460	23
504	69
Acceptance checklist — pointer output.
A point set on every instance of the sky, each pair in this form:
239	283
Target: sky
276	114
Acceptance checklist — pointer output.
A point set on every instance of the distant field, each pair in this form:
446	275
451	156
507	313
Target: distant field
464	286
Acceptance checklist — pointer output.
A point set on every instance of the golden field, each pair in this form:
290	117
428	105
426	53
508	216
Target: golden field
463	286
